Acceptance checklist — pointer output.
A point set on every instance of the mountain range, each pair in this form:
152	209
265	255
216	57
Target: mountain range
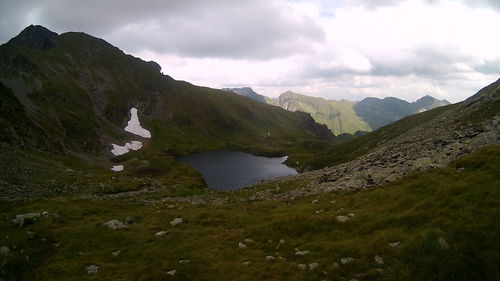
90	187
343	116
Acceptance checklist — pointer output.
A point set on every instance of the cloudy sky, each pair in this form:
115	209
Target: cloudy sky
337	49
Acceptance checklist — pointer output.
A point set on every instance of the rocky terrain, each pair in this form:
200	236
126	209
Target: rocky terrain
447	137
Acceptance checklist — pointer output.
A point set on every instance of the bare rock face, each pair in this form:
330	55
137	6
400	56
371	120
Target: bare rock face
35	37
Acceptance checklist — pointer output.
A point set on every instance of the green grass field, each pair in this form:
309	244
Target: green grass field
458	204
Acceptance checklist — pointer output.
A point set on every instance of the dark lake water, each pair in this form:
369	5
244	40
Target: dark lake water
228	170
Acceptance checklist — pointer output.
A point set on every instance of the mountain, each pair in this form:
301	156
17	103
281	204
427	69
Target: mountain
337	115
347	117
380	112
421	141
72	94
249	93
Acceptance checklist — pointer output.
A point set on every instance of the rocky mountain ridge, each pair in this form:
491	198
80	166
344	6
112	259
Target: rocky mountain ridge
347	117
452	134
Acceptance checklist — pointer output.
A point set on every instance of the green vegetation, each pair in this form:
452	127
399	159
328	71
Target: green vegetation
344	152
457	205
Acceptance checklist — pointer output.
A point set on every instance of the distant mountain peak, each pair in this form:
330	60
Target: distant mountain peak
35	37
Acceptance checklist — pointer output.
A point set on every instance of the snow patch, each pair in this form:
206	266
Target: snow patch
120	150
134	126
117	168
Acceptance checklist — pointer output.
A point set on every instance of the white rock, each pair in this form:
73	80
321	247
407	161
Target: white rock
161	233
242	246
4	250
92	269
352	215
171	272
282	241
248	241
116	253
184	261
302	253
313	266
302	266
315	201
270	258
379	260
117	168
246	263
45	214
134	126
443	243
20	220
115	224
176	221
342	218
346	260
394	244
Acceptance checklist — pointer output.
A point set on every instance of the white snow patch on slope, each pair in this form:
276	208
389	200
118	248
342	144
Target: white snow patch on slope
120	150
134	126
117	168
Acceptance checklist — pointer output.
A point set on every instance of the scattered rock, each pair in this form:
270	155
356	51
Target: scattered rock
56	244
245	263
171	272
270	258
45	214
248	241
21	220
176	221
351	215
282	242
443	243
315	201
302	266
319	211
129	220
161	233
242	246
394	244
379	260
183	261
115	224
342	218
116	253
4	250
313	266
346	260
92	269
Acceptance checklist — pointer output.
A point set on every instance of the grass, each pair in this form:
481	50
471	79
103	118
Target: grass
459	204
345	152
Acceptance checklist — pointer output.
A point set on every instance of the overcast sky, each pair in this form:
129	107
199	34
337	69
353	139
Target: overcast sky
337	49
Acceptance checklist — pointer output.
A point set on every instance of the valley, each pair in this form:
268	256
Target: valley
91	186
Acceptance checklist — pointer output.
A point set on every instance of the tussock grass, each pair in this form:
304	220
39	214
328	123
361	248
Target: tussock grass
458	204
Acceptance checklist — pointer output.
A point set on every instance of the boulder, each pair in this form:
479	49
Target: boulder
342	218
92	269
4	250
176	221
21	220
313	266
115	224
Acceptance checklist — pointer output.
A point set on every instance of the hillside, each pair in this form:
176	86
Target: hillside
72	94
417	199
344	117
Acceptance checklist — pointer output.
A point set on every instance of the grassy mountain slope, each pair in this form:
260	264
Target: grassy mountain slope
337	115
445	221
71	94
460	117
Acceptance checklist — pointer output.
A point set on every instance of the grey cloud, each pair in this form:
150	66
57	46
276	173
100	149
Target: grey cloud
430	61
257	29
375	4
489	67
